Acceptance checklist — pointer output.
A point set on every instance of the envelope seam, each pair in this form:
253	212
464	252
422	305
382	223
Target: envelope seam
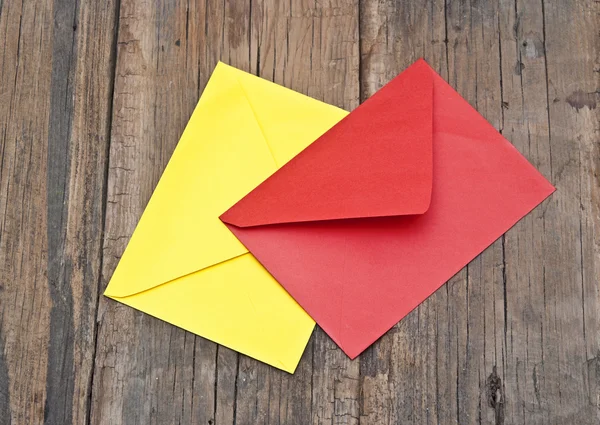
173	280
262	131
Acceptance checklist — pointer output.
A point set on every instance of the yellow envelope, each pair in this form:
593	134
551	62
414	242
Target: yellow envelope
182	264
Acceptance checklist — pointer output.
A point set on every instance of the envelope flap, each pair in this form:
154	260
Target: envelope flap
375	162
289	121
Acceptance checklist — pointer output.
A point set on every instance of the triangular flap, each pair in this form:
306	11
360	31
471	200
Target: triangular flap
375	162
287	117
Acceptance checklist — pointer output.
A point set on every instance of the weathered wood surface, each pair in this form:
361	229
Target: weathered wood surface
93	98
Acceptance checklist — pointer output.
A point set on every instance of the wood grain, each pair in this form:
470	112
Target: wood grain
95	95
25	296
144	368
55	85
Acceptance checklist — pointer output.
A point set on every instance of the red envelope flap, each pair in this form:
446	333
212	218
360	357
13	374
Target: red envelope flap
375	162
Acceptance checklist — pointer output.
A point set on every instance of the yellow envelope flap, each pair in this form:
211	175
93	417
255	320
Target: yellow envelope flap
241	131
289	121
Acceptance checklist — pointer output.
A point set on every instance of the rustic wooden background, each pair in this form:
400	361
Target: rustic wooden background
93	98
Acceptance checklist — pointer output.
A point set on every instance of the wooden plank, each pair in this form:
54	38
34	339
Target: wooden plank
311	47
552	299
55	87
144	369
474	63
570	250
79	114
526	125
24	300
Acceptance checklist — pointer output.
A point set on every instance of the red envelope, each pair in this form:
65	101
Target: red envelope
390	203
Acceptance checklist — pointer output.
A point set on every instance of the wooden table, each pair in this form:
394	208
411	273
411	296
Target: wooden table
93	98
